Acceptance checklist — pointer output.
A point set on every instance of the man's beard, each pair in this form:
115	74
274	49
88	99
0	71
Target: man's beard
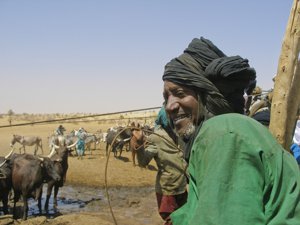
188	133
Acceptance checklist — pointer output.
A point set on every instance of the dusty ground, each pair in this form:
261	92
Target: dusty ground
130	189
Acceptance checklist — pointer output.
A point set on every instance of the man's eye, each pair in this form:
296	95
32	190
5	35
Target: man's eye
180	94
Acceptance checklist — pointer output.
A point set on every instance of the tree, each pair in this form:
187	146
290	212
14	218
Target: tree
10	113
286	97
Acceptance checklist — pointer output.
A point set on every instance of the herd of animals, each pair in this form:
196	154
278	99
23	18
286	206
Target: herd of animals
25	174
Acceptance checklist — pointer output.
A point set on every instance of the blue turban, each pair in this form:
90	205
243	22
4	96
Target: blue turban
162	118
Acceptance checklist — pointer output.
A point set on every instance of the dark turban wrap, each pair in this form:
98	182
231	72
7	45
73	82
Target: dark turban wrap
220	79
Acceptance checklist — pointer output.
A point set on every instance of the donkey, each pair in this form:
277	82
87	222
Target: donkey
27	141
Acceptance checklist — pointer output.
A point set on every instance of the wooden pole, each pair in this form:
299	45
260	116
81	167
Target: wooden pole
286	96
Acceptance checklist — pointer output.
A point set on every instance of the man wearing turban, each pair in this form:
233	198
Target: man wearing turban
238	173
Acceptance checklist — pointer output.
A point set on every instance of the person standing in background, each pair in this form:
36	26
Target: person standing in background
295	147
164	147
80	145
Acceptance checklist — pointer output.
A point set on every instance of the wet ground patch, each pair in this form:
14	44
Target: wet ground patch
73	199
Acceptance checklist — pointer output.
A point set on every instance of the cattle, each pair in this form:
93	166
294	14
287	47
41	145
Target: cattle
28	174
101	136
116	138
27	141
5	180
59	140
59	156
260	102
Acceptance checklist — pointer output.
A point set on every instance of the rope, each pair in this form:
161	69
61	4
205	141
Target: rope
78	117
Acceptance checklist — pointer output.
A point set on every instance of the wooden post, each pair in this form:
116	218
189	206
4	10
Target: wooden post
286	98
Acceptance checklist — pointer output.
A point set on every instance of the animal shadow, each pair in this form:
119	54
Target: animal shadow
124	159
54	214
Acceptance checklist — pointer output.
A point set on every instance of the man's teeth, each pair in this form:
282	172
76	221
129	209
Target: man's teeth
182	117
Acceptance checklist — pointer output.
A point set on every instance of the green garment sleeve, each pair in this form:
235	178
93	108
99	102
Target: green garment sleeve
240	177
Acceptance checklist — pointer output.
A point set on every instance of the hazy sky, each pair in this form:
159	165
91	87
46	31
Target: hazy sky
69	56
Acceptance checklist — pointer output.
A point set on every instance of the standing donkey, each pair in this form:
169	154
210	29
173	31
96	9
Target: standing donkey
27	141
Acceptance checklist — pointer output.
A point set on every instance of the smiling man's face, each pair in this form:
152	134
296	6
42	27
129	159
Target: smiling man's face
183	108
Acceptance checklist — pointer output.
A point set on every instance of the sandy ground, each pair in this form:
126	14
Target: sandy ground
130	189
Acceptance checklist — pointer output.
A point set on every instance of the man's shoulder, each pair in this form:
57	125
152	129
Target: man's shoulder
229	119
158	131
233	123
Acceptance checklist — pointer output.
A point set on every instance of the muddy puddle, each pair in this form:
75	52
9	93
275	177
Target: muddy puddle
72	199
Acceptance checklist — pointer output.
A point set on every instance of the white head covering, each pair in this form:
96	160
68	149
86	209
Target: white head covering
296	138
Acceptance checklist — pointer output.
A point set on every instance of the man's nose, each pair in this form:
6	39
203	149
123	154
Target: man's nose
172	104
